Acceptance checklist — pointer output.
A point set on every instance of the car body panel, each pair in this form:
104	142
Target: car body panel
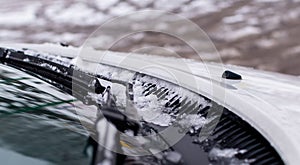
268	101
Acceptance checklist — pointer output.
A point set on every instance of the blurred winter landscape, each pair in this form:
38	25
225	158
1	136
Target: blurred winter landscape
263	34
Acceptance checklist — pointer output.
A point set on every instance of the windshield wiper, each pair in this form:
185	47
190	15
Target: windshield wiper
62	77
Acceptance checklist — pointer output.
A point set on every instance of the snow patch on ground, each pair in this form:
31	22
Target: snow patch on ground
234	19
122	9
11	34
76	14
266	43
143	3
294	51
103	5
243	32
25	16
56	37
199	8
230	52
166	5
245	10
266	1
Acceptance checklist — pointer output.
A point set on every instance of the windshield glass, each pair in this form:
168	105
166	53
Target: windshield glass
38	122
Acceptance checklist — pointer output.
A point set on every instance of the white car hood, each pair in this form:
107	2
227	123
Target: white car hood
270	102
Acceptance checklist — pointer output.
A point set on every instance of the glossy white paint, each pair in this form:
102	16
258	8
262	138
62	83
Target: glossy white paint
270	102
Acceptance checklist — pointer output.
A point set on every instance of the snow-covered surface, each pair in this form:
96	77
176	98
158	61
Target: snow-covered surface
153	110
192	121
233	19
228	156
231	24
49	56
71	15
268	101
20	17
241	33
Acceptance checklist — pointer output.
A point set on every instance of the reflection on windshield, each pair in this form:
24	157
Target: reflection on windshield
34	122
10	157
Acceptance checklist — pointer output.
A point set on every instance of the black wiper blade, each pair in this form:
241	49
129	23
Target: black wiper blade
64	77
67	78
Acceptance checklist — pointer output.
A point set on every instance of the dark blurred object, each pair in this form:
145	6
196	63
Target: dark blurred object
231	75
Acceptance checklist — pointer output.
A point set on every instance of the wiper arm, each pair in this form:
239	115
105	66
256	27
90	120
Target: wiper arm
62	77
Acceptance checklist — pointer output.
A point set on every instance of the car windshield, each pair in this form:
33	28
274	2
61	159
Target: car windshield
37	122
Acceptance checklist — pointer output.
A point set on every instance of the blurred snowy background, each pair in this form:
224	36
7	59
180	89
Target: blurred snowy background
263	34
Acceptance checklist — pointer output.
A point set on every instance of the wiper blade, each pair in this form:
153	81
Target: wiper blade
62	76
